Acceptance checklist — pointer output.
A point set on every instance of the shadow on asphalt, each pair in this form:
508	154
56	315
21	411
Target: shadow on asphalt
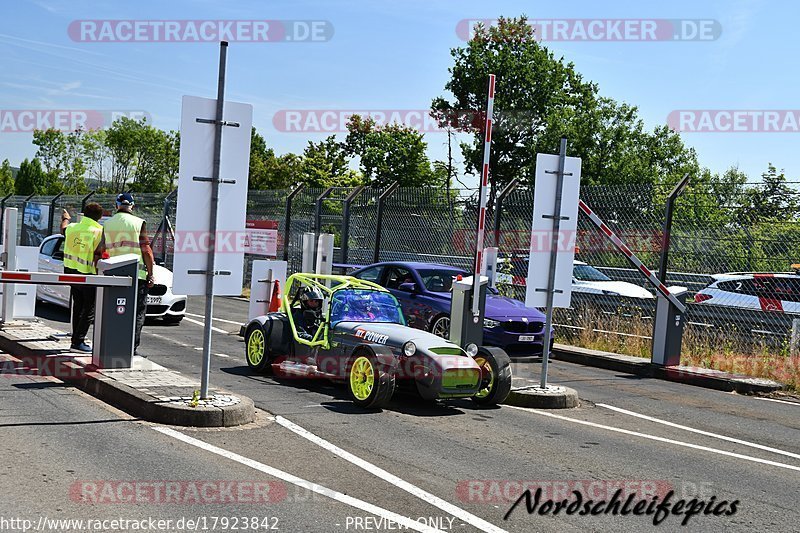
77	423
52	312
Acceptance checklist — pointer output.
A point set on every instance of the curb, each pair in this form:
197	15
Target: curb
129	399
688	375
534	397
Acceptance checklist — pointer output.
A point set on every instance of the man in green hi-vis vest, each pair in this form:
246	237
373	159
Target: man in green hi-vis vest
125	233
80	241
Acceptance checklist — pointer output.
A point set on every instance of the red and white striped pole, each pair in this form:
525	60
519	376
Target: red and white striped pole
484	198
597	221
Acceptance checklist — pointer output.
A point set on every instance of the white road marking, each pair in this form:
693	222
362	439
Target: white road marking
289	478
221	355
425	496
215	318
699	431
777	400
203	324
659	439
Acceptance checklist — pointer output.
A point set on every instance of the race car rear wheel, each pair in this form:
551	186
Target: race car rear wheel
256	350
369	386
495	376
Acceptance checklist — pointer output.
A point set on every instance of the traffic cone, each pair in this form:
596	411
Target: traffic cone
275	301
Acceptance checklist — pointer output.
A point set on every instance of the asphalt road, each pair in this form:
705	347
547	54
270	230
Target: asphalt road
432	461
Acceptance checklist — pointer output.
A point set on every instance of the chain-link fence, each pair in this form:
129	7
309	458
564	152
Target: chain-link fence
612	302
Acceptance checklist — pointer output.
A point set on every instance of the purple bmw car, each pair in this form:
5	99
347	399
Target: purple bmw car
423	290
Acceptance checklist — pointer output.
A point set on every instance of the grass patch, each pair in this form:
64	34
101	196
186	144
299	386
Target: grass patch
713	348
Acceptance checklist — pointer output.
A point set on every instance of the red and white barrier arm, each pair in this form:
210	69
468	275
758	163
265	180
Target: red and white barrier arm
660	287
54	278
487	149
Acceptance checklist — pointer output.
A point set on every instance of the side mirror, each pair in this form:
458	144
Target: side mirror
407	287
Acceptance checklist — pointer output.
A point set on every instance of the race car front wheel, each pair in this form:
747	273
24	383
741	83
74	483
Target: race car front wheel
370	386
256	347
495	376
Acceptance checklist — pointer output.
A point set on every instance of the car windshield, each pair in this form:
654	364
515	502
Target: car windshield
588	273
365	305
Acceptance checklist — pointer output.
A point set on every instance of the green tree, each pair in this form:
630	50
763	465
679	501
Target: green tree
325	164
540	98
52	148
773	200
31	179
389	153
144	158
267	171
6	179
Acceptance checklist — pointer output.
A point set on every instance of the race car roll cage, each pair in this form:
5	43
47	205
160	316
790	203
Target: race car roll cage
316	281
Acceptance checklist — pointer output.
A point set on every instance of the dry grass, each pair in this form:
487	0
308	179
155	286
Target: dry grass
630	335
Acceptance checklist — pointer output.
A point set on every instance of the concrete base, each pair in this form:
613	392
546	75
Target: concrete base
551	397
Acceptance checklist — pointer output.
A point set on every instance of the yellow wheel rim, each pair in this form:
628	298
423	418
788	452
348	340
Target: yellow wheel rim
255	347
362	378
486	368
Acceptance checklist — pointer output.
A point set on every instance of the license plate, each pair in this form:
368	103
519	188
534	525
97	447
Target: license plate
151	300
527	338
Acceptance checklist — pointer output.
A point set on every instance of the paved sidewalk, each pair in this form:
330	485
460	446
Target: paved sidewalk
147	389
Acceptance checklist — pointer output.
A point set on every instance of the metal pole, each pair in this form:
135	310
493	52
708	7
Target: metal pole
318	211
9	263
3	212
287	233
662	267
379	215
498	208
85	199
52	210
484	198
551	275
212	229
346	221
165	224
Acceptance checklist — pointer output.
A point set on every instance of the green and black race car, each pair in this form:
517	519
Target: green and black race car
361	339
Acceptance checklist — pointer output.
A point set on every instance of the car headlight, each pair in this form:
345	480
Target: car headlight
489	323
471	349
409	349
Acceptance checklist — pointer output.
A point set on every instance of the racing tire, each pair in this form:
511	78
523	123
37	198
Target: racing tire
256	351
370	387
441	326
495	376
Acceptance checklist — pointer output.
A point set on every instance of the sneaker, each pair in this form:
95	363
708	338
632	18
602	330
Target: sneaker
82	347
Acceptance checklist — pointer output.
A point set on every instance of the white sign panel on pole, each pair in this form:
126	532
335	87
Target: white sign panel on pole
24	295
544	198
264	275
194	197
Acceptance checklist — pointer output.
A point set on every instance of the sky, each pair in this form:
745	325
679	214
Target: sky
378	56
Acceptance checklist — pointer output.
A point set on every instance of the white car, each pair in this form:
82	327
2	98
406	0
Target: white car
779	292
585	279
161	303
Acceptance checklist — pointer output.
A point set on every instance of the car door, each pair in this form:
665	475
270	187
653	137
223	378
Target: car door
48	264
60	292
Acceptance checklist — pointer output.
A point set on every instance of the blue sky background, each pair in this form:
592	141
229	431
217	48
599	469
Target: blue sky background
395	55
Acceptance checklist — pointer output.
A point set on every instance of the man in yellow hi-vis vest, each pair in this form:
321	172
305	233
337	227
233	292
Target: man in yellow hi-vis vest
80	241
125	233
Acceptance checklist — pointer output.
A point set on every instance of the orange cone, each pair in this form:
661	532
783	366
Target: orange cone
275	301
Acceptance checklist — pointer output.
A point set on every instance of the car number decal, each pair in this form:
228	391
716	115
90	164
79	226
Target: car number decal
371	336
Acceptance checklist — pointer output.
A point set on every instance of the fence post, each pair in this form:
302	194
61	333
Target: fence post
318	211
2	212
498	208
53	210
662	267
379	222
795	339
345	238
287	232
165	225
85	200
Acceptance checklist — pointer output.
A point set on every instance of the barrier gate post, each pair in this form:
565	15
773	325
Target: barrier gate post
115	315
9	261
